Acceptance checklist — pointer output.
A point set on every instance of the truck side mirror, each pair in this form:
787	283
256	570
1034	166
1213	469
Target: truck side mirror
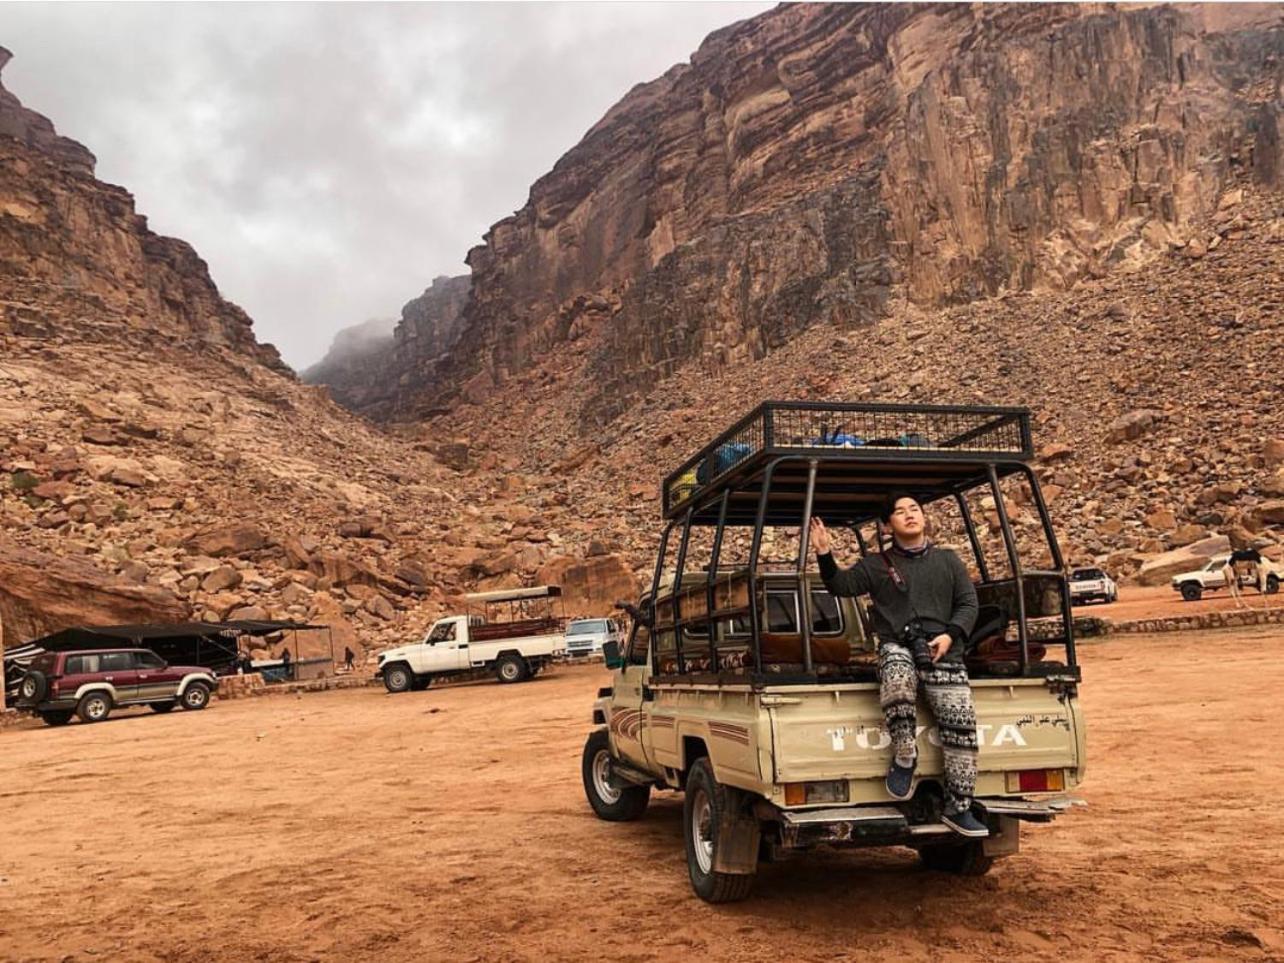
611	654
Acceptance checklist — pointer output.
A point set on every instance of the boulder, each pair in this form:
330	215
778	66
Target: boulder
1162	520
381	608
40	594
1186	534
1158	570
1132	425
222	578
247	613
1273	452
226	541
1270	512
590	586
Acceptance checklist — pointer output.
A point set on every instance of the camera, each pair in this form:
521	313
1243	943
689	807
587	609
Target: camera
916	639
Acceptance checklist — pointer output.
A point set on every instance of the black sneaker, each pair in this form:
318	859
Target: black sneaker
900	780
965	824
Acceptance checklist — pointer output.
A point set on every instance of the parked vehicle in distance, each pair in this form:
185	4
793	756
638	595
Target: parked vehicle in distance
93	683
587	636
1092	585
515	648
1193	585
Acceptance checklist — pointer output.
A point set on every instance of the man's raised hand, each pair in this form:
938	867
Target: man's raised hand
819	536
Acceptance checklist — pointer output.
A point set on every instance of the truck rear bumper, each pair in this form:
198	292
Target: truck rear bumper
886	825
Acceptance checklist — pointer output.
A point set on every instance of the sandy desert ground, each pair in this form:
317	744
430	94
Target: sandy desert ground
450	825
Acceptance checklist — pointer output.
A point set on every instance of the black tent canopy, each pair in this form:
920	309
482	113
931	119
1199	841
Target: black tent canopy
208	644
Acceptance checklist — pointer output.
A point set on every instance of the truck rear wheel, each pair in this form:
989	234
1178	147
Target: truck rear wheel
966	859
615	805
1191	591
511	667
702	811
398	678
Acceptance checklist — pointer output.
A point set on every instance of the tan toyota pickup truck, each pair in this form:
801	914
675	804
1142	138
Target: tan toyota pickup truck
749	687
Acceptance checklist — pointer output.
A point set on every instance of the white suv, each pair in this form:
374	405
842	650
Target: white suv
587	636
1088	584
1192	585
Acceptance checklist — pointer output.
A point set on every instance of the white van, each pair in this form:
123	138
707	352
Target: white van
587	636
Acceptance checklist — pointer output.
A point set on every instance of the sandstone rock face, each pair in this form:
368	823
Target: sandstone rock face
810	161
590	586
69	239
40	594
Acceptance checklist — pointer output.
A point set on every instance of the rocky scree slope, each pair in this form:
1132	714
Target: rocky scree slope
1156	395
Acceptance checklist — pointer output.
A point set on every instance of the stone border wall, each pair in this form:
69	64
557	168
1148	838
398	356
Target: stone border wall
1237	618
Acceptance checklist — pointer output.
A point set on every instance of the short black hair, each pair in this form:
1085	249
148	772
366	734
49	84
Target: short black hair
889	503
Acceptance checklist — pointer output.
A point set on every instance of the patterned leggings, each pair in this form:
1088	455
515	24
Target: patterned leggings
950	698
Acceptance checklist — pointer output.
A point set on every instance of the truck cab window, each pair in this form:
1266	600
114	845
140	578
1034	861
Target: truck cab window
443	633
640	645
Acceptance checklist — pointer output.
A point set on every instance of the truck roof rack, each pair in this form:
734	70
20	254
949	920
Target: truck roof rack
516	594
865	450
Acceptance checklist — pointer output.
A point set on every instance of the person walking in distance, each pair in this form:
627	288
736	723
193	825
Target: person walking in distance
924	609
349	658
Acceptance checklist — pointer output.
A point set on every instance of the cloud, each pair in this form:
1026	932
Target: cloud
329	160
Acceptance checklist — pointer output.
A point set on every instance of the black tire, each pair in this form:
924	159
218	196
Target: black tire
162	707
613	805
1191	591
511	667
195	697
701	813
34	687
963	859
398	677
56	717
421	682
94	706
1272	584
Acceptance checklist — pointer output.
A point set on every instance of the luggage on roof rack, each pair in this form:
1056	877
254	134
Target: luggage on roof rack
933	449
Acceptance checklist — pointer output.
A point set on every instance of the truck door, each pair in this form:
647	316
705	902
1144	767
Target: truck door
628	721
447	647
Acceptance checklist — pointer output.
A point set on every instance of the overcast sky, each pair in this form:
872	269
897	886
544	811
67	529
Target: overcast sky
329	160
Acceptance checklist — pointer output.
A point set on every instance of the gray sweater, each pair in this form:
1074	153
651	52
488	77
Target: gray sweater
937	590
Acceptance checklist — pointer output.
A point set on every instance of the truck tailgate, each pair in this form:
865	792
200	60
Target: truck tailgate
838	733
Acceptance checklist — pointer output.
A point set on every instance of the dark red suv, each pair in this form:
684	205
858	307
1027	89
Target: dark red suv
92	683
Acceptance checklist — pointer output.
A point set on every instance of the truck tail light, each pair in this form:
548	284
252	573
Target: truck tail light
1037	780
805	793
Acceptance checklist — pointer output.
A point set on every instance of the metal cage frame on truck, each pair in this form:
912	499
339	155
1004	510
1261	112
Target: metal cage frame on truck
786	461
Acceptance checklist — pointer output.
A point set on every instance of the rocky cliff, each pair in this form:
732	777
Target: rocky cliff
67	238
809	162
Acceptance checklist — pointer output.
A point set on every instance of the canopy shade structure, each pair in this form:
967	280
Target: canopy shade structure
863	450
517	594
211	645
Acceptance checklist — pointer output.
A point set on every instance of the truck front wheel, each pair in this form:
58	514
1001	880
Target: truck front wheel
702	812
615	805
512	668
1191	591
1272	584
398	678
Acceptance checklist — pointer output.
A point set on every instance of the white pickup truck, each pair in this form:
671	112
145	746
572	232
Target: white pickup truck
515	649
